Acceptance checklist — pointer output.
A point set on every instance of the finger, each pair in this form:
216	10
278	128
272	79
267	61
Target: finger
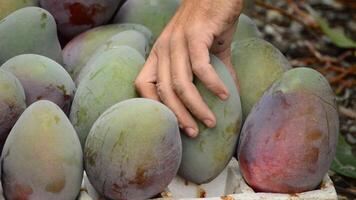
222	48
168	96
200	60
145	82
182	81
225	57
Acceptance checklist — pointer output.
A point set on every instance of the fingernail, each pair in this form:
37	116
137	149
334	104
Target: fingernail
209	123
191	132
223	96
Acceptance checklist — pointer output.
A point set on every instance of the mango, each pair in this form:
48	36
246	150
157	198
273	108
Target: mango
257	65
29	30
246	28
289	139
76	16
79	50
42	157
207	155
133	150
12	103
7	7
129	38
154	14
42	78
110	80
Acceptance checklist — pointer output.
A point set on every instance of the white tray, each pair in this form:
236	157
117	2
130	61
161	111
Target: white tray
229	185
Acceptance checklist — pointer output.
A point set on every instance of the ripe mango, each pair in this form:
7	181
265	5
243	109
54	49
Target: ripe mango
154	14
12	103
207	155
133	150
42	157
76	16
79	50
42	78
109	81
257	64
289	139
29	30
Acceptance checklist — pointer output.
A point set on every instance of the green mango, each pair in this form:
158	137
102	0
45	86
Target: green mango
207	155
42	157
154	14
29	30
289	139
246	28
257	65
129	38
7	7
133	150
111	80
79	50
12	103
42	78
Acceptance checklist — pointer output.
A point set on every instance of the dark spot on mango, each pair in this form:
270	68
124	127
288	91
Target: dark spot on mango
91	156
43	16
140	179
293	195
56	186
57	119
311	157
21	192
83	15
313	135
62	88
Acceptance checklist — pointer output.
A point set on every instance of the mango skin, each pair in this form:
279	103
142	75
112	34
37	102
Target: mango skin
133	150
289	139
7	7
129	38
108	82
257	65
42	78
12	103
29	30
246	28
79	50
154	14
207	155
44	134
76	16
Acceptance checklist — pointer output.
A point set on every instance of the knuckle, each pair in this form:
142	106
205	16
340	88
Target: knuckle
178	87
162	90
199	69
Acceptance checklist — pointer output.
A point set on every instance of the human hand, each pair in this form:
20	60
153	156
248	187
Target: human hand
181	51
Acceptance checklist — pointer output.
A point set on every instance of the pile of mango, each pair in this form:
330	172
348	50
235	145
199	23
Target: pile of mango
63	111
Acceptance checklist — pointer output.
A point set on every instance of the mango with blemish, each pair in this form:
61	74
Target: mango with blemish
289	139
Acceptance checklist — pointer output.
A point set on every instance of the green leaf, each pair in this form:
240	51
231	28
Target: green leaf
345	161
336	35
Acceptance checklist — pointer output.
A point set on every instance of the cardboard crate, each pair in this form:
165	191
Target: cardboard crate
229	185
